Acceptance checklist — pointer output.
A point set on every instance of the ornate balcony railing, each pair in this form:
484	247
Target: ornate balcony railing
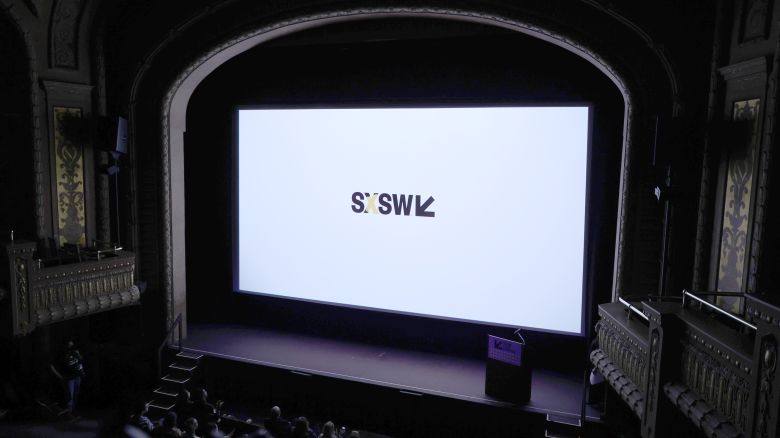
715	368
41	294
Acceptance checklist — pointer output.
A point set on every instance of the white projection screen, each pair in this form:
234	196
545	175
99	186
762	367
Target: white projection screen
467	213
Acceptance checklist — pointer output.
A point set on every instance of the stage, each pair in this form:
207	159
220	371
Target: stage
410	372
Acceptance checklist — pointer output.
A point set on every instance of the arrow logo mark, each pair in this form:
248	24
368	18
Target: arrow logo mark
421	210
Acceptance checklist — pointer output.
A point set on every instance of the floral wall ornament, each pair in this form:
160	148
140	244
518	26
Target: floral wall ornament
737	204
69	164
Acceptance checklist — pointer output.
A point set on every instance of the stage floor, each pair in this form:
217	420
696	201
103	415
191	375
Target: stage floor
408	371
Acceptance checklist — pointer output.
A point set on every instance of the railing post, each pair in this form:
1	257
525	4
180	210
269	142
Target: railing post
663	365
764	400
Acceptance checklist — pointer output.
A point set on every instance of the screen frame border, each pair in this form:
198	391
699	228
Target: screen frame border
587	294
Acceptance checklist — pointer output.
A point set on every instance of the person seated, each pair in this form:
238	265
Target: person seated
139	418
213	430
278	426
184	403
190	428
354	434
169	427
202	410
301	429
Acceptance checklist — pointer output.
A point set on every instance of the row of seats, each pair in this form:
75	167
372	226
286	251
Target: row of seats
201	418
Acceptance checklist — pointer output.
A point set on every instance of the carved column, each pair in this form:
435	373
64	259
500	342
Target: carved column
20	263
663	364
765	388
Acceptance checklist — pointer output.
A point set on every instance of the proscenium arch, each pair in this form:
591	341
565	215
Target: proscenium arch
174	108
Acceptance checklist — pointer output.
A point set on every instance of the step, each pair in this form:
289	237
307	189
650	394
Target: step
560	426
161	391
169	378
188	355
161	405
180	367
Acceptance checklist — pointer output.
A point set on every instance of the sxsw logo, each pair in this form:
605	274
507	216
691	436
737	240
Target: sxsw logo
385	203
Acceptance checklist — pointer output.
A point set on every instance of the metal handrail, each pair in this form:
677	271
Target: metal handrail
633	308
716	308
176	322
716	294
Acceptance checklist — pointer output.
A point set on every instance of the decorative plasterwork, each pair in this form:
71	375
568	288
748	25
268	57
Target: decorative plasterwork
66	89
69	177
655	341
625	352
739	181
44	294
717	377
754	22
701	413
742	69
765	389
619	381
63	33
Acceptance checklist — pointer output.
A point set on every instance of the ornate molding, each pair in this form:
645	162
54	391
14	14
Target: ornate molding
63	33
623	351
63	285
619	381
43	295
765	389
655	341
86	306
64	90
618	280
754	20
743	69
715	376
658	49
20	267
701	413
754	314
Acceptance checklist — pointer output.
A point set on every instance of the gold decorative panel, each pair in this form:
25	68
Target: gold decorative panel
69	165
736	206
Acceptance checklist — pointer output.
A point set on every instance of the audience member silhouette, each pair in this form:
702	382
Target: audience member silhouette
190	428
301	429
215	431
139	418
204	422
184	404
328	430
278	426
169	427
202	410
